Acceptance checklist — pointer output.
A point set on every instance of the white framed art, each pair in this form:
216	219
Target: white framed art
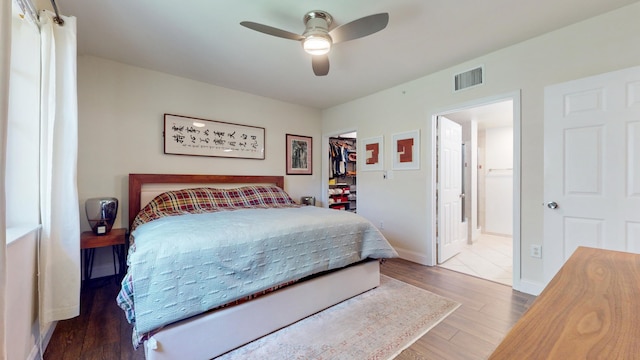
373	151
406	150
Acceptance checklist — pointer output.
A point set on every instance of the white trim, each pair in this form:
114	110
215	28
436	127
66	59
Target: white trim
413	256
432	243
517	189
529	287
515	97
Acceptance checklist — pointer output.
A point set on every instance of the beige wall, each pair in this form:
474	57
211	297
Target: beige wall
604	43
121	107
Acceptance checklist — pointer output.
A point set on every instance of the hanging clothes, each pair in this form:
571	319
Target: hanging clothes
338	158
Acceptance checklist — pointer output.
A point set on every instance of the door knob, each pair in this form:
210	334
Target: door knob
462	196
552	205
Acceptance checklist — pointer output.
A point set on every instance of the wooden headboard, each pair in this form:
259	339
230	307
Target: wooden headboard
137	181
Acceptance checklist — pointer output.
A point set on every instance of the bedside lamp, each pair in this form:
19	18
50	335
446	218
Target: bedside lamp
308	200
101	213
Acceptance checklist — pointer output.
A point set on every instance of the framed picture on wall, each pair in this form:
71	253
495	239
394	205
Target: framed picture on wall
372	149
299	151
184	135
406	150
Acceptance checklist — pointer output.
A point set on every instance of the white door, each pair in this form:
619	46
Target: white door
450	234
592	166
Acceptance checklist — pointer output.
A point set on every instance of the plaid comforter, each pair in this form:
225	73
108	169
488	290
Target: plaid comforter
202	200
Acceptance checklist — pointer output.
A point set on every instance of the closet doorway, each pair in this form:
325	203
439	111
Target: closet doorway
342	182
490	170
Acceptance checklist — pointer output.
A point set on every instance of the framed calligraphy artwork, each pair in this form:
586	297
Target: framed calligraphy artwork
372	148
299	155
185	135
406	150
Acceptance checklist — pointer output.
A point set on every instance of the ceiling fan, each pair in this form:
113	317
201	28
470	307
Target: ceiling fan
317	39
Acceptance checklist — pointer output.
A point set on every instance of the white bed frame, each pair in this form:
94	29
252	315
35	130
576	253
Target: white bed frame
217	332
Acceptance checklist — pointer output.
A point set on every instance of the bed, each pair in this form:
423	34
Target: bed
274	262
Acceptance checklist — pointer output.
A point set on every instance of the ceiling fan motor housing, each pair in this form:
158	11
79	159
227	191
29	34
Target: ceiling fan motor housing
313	16
317	40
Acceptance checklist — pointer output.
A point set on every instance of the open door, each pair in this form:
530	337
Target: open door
450	232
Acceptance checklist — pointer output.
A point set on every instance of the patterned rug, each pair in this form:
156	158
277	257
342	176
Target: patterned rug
377	324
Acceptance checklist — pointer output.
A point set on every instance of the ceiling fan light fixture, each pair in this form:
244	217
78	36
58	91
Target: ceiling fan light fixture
317	40
317	44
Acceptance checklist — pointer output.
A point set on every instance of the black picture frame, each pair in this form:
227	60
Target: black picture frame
299	154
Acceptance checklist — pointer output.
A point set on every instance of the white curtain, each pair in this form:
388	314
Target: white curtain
59	253
5	58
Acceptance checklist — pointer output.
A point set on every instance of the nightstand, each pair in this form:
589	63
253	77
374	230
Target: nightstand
118	239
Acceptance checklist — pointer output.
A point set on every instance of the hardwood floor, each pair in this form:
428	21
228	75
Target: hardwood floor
487	313
100	332
475	329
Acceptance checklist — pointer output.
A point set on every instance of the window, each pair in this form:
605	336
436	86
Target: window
23	134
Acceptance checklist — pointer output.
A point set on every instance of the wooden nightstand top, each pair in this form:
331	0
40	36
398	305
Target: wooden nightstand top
90	240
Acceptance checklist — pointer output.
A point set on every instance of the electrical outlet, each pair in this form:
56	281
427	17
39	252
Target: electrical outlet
536	251
381	225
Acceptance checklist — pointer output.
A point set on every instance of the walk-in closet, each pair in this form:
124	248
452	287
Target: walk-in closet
342	172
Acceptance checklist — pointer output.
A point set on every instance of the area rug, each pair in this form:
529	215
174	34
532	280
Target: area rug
377	324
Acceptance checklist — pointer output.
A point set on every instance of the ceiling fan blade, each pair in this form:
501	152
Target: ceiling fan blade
359	28
320	64
269	30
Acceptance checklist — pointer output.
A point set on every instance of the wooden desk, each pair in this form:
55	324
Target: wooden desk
117	238
589	310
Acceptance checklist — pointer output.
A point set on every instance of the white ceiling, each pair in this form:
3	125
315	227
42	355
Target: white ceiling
202	39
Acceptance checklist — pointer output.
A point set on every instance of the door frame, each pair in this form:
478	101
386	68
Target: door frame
515	98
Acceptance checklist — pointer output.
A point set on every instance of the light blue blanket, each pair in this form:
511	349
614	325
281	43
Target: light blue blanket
185	265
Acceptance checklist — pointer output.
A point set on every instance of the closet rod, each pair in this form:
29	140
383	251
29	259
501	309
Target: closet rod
31	12
57	19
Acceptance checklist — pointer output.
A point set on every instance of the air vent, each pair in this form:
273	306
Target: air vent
467	79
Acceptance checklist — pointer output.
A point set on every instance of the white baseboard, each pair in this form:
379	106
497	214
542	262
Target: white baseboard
413	256
529	287
475	234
